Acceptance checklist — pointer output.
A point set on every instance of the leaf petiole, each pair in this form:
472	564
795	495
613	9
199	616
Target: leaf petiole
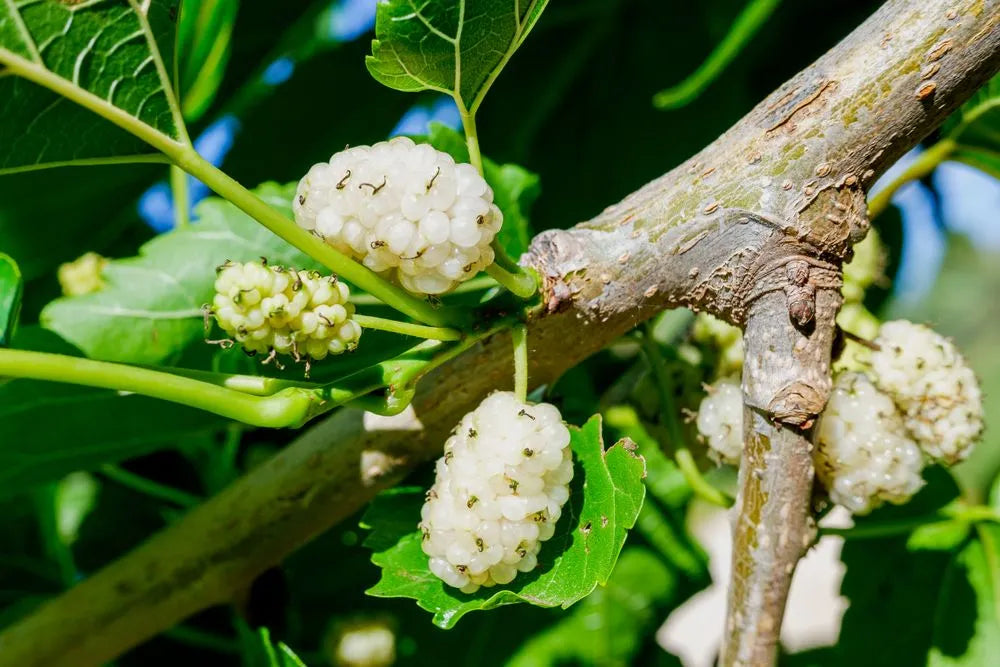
519	336
179	192
407	328
149	487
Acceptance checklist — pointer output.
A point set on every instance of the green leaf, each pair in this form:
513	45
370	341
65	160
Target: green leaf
907	603
107	55
203	49
457	47
975	129
611	625
514	188
49	430
151	307
967	627
11	290
752	17
604	503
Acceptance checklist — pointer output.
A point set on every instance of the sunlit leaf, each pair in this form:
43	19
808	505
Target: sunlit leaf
111	52
456	47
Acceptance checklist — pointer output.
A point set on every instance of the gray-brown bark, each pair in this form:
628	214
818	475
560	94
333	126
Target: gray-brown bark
719	233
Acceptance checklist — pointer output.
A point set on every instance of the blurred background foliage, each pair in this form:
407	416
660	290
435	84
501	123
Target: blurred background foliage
271	88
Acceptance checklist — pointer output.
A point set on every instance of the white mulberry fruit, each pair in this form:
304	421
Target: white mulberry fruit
269	308
403	209
720	421
500	489
863	455
933	386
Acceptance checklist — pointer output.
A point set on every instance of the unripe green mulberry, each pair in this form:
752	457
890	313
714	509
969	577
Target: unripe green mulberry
82	275
269	309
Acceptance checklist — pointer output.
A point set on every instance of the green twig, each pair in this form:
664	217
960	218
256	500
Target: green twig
402	374
150	488
669	414
285	408
905	525
746	25
179	191
504	270
519	334
699	485
471	135
925	163
407	328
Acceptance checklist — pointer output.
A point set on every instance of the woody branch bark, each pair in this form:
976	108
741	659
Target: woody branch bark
725	232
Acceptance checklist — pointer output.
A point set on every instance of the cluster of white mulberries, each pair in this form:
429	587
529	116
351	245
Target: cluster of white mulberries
272	309
933	386
499	492
863	455
720	421
403	208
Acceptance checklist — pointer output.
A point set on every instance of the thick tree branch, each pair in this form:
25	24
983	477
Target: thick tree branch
717	233
786	380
